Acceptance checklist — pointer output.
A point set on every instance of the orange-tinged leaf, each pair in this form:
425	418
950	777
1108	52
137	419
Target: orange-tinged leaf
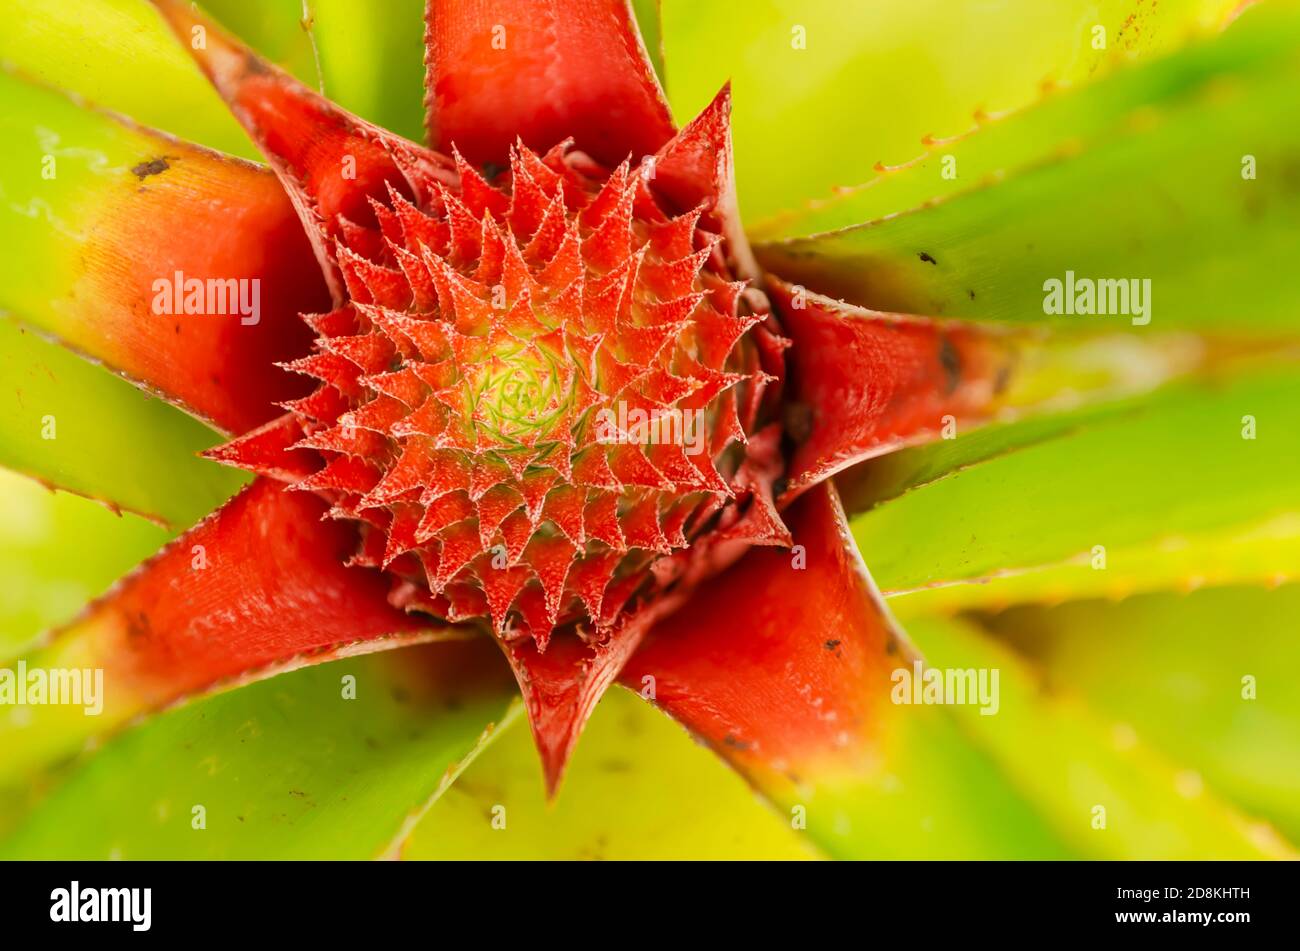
180	268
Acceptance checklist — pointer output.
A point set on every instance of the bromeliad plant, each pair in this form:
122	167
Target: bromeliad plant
531	383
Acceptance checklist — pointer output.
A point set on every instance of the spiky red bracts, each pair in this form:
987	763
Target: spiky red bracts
545	395
538	387
551	395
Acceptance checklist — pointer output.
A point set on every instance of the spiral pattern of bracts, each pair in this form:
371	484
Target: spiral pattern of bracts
475	386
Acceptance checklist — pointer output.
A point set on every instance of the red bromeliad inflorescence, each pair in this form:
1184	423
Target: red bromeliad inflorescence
496	329
472	384
552	395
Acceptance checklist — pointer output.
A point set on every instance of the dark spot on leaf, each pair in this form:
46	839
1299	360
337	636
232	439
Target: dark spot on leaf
925	256
138	627
632	725
831	645
736	744
152	167
950	360
254	64
594	852
1002	379
971	293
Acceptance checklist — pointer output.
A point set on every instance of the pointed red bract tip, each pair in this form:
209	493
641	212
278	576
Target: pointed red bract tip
268	451
696	170
561	688
693	169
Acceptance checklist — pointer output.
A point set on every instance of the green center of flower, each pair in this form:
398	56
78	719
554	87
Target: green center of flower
517	397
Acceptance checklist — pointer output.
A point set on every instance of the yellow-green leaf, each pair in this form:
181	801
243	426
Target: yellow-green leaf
74	425
57	551
1197	460
1180	214
1206	678
1106	793
637	788
825	89
326	762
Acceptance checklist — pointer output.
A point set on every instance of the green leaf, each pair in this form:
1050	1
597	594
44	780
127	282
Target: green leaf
1162	195
279	30
934	796
372	57
76	426
1171	670
879	480
367	57
1079	772
58	551
1064	123
285	768
1266	552
118	54
1139	484
874	79
1060	383
649	18
636	788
